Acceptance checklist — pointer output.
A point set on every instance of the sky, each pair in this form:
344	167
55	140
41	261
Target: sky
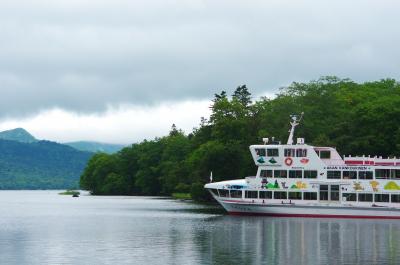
120	71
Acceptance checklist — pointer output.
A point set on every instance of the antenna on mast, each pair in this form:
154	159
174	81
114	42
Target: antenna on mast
295	121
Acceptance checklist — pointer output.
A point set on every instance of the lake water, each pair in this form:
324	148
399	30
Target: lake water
42	227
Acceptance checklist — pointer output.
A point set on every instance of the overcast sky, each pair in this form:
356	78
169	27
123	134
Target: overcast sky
122	70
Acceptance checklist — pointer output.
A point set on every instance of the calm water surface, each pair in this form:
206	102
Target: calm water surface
41	227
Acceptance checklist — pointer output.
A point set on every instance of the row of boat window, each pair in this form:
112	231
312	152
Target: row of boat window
332	174
310	174
379	174
274	152
308	196
368	197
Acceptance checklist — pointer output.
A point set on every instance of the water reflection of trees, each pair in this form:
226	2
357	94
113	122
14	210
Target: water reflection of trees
255	240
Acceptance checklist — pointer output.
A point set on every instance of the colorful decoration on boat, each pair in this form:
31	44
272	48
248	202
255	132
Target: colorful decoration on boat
272	161
288	161
357	186
261	159
374	185
304	160
264	181
283	183
391	185
273	186
299	185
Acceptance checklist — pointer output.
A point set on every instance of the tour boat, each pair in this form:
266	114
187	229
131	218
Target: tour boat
300	180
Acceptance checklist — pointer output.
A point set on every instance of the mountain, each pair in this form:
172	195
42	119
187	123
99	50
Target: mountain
40	165
95	146
19	135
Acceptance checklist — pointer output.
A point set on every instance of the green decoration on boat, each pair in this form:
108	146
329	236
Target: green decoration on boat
272	161
293	186
276	185
270	186
391	185
261	160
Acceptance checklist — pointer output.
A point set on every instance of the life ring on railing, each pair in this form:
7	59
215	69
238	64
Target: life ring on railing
288	161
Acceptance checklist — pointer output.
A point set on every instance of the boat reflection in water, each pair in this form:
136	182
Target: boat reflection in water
258	240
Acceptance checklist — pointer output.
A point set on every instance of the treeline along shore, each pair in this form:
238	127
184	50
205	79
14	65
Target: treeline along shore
356	118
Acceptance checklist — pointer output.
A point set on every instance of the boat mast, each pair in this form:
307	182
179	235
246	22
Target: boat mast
295	121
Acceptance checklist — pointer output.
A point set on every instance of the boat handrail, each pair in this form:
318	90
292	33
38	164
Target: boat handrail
333	162
371	161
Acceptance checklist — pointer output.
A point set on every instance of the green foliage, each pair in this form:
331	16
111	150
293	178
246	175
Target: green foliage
182	188
355	118
198	193
181	196
40	165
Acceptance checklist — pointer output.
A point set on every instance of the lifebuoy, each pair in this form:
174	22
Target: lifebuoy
288	161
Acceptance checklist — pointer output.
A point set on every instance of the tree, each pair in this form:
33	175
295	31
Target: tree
242	95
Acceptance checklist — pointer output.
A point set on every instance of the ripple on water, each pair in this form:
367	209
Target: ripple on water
41	227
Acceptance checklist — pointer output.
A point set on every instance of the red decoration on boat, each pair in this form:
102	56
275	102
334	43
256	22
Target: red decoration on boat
288	161
304	160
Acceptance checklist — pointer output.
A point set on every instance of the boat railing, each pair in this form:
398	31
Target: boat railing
333	162
371	160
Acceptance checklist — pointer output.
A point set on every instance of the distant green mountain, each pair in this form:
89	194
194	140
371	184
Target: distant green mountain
19	135
40	165
95	146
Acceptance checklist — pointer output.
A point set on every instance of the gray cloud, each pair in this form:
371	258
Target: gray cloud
84	55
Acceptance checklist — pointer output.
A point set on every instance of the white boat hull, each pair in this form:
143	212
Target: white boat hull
317	211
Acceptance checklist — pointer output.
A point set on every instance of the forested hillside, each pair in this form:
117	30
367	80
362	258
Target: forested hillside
94	147
357	118
40	165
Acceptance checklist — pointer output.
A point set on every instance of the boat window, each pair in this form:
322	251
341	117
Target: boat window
395	173
295	174
290	152
265	194
365	175
349	174
310	174
333	174
301	152
223	193
323	192
350	197
325	154
280	174
382	173
266	173
334	192
272	152
260	151
381	197
395	197
310	196
294	195
280	195
214	191
236	193
365	197
252	194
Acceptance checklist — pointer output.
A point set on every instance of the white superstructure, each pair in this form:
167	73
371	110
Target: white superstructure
304	180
